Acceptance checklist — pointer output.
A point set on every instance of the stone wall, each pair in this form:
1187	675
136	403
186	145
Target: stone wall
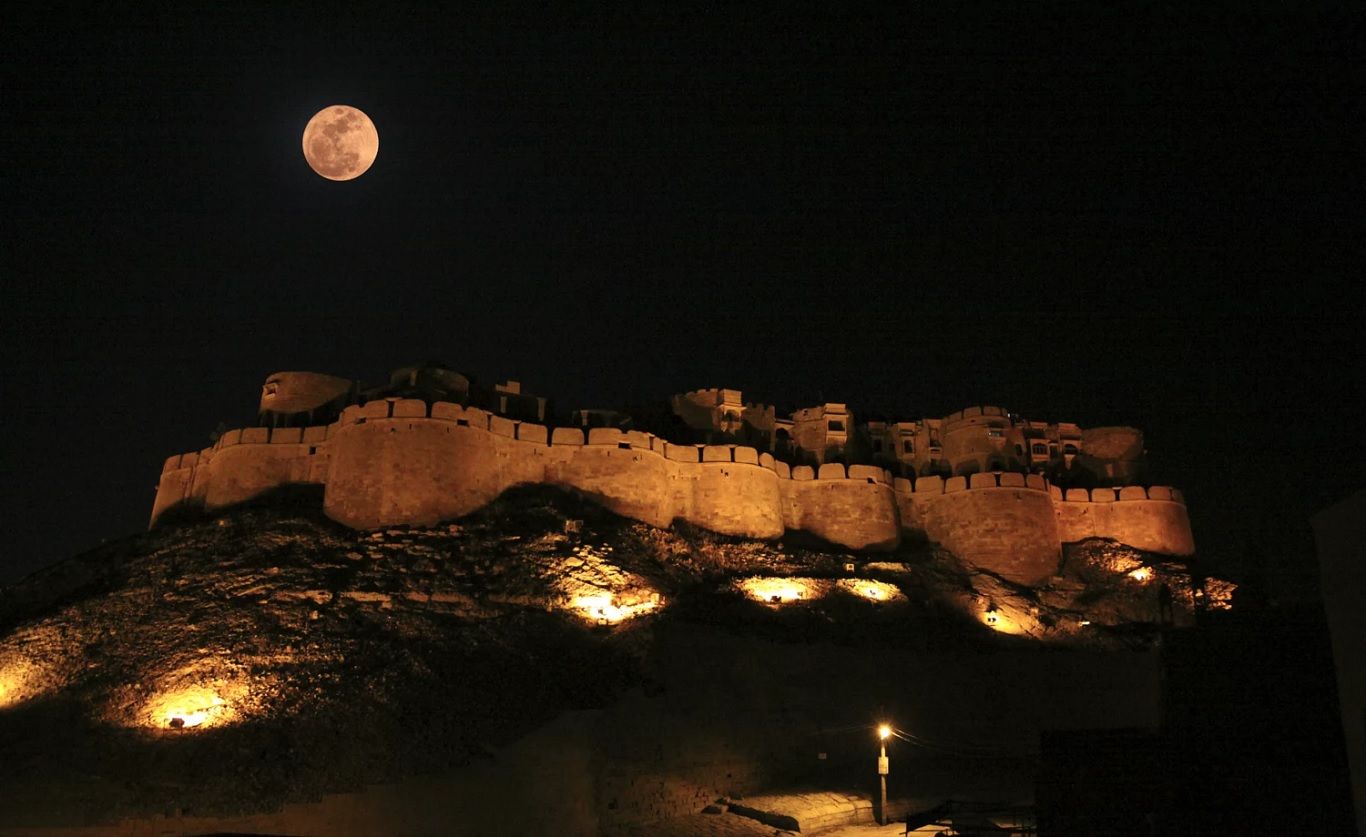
617	470
853	508
400	461
409	468
242	464
1153	519
1002	522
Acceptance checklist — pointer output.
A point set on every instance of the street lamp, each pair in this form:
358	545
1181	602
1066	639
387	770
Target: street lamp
883	732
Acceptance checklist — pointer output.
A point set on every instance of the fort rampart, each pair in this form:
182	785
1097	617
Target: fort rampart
399	461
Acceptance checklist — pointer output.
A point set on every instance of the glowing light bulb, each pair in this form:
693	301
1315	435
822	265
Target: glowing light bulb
884	731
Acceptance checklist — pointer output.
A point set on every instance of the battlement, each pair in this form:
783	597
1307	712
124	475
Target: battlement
975	413
715	396
403	460
1118	495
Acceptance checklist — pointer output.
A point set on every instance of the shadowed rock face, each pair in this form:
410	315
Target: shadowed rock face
234	663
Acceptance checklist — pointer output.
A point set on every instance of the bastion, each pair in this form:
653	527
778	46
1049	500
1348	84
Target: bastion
404	454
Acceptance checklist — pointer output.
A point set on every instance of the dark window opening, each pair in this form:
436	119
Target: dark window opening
836	426
908	446
1040	450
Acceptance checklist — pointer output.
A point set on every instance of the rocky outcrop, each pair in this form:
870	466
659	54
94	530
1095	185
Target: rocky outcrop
165	665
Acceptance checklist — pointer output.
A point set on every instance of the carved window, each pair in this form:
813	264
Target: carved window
1069	449
835	426
995	432
1040	450
908	446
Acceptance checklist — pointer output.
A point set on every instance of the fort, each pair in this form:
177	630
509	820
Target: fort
1000	491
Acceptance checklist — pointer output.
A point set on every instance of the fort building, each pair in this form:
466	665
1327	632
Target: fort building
823	432
721	415
999	491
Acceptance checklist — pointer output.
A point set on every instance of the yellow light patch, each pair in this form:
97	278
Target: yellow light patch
777	591
876	591
195	706
1006	621
18	683
603	607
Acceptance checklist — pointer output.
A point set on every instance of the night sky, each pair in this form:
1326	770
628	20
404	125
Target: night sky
1152	217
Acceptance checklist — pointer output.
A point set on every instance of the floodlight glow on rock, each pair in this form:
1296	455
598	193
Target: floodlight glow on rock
778	591
874	591
195	706
1007	620
207	694
17	681
603	607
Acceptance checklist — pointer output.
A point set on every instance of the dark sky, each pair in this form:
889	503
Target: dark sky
1152	216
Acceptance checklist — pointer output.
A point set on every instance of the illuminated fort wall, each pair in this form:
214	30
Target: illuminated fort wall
397	461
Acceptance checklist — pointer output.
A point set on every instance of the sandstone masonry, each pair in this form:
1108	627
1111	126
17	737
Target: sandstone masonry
394	460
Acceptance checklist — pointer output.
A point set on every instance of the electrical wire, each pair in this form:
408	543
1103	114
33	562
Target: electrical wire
958	749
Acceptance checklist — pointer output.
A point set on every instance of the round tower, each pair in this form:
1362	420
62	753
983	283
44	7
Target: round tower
977	439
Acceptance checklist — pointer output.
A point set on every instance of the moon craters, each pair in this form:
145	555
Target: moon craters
340	142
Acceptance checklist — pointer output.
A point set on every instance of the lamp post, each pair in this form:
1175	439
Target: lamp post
883	731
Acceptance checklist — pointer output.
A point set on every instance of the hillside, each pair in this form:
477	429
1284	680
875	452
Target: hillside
233	663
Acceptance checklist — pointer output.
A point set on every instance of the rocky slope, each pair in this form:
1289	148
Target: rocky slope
236	662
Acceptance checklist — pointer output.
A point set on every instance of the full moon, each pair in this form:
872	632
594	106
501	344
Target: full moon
340	142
